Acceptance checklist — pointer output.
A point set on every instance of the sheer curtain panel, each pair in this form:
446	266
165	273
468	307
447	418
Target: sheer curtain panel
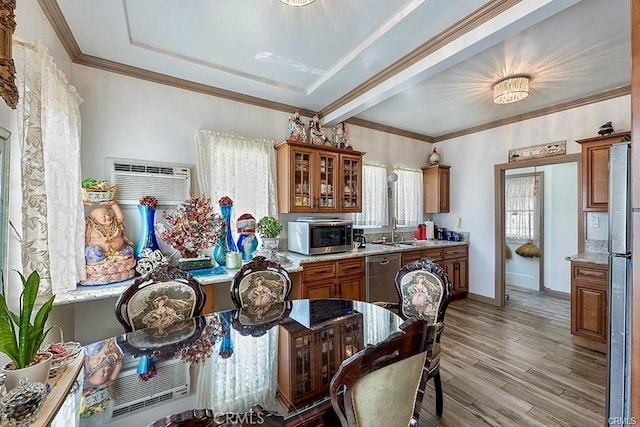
375	200
408	197
242	169
521	204
52	214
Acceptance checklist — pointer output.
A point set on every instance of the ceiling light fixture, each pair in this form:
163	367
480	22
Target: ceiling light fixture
511	89
297	2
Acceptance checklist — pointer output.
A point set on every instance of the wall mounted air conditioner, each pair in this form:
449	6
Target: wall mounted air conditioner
170	183
172	381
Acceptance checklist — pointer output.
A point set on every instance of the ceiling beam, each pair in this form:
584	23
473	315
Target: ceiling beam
494	22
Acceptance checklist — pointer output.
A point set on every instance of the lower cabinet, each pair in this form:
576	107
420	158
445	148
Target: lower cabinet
454	260
589	305
308	358
334	279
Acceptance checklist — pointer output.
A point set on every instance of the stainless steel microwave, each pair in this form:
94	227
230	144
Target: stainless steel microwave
313	236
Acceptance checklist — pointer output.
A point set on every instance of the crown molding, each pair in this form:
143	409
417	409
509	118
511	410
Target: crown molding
52	11
590	99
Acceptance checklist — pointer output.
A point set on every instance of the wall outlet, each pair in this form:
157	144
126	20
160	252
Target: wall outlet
594	222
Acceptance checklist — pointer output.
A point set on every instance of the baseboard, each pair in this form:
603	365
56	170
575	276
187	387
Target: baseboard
557	294
482	299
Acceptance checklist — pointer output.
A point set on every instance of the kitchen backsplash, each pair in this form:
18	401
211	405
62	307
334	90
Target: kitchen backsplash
596	246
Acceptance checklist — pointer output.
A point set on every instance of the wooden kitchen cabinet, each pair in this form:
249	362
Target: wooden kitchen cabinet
595	170
589	305
435	183
318	179
308	358
454	260
334	279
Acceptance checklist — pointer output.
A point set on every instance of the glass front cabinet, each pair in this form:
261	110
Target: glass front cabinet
315	179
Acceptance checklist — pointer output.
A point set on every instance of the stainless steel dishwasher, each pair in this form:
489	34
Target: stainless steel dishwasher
381	270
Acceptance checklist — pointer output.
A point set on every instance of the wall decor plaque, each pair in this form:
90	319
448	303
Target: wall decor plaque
538	151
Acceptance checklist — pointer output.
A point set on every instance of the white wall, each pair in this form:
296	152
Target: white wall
472	159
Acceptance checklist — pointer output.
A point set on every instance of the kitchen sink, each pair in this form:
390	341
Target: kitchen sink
417	243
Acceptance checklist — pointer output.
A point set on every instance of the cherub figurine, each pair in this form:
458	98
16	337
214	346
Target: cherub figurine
295	129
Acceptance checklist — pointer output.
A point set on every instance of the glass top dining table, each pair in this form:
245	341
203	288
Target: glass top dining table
281	358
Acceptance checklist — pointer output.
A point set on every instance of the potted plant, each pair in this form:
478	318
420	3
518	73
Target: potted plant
20	339
269	228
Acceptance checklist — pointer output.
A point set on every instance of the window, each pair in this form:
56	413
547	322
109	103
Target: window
521	207
375	201
408	197
242	169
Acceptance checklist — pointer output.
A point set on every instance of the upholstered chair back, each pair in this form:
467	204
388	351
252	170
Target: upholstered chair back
383	385
259	284
424	289
159	299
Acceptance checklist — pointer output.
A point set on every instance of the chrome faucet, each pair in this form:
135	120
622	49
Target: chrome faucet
394	227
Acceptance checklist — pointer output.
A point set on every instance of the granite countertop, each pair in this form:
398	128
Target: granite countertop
590	258
89	293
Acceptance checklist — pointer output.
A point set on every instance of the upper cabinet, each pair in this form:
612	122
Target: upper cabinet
313	178
595	170
435	182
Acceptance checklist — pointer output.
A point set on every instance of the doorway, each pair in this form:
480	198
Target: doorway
555	223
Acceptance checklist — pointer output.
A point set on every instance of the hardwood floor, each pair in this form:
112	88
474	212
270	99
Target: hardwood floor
516	366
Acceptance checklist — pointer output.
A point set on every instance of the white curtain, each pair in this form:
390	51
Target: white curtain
52	220
409	197
521	208
375	201
242	169
250	375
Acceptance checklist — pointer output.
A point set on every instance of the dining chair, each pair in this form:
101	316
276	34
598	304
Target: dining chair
160	298
259	284
383	385
424	291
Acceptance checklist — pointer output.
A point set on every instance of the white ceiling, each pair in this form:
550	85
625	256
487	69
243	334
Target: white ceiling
415	65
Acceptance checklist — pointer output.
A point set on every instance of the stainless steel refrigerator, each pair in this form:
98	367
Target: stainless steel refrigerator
619	338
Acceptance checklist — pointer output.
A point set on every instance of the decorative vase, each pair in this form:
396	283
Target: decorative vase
225	210
147	231
270	247
37	373
220	252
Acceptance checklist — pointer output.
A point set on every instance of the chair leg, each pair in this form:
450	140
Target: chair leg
438	389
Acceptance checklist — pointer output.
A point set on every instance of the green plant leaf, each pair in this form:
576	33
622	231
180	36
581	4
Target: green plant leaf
28	300
8	344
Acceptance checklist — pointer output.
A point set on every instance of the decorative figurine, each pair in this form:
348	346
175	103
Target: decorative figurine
340	137
434	158
316	134
605	129
247	242
108	252
295	129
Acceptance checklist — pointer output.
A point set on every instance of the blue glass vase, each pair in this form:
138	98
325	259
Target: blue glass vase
220	252
147	237
225	210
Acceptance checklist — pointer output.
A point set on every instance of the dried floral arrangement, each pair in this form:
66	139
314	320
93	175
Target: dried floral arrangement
149	201
193	226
